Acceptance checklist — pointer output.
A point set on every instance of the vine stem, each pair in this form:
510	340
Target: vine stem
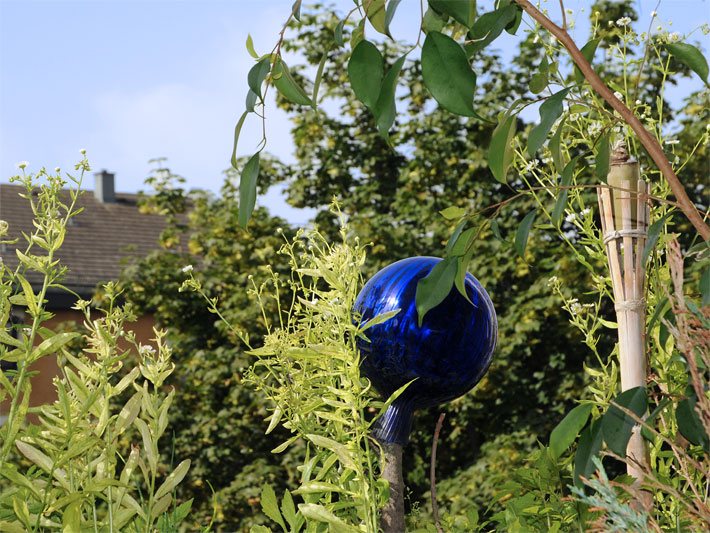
432	473
648	141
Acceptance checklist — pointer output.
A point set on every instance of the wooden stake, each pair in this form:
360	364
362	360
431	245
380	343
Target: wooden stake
392	518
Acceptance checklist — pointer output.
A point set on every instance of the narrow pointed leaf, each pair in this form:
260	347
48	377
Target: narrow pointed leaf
689	423
561	201
601	158
550	111
654	232
237	132
174	479
500	151
588	51
257	75
389	14
617	425
247	189
447	74
435	287
250	47
287	86
521	236
489	26
375	11
588	448
566	432
385	108
691	57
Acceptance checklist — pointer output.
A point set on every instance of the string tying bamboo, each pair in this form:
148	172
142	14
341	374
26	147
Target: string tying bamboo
624	213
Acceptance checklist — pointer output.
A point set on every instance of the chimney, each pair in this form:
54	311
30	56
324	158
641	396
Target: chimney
104	190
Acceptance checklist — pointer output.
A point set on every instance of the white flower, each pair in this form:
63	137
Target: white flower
531	165
571	217
673	37
623	21
654	14
585	212
146	349
552	281
536	39
575	307
57	170
22	165
186	269
594	129
672	141
82	151
619	95
638	102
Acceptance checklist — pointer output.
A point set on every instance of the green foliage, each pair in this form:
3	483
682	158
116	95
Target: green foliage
84	474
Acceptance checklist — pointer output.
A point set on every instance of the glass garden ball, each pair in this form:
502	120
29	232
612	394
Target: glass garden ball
445	357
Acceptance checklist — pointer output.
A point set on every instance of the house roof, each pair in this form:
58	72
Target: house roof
99	241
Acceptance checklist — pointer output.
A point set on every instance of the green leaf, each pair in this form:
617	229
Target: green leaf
237	132
588	51
358	34
489	26
601	158
691	57
247	189
521	236
319	77
555	148
654	232
250	100
617	425
71	518
319	513
447	74
435	287
53	344
379	319
288	509
561	201
296	10
375	11
689	423
433	21
550	111
257	75
500	151
463	11
341	450
43	461
389	14
175	477
705	287
385	108
338	33
270	506
567	430
645	431
452	212
589	445
366	70
539	80
250	47
287	86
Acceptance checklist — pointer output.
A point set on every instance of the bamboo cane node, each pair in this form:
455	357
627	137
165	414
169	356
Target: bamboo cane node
630	305
618	234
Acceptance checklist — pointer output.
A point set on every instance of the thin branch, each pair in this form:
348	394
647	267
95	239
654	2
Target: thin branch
649	142
432	473
564	15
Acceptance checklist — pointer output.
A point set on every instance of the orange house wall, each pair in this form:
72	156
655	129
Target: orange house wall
43	390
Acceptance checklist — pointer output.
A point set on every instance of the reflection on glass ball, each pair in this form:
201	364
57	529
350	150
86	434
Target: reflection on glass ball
446	356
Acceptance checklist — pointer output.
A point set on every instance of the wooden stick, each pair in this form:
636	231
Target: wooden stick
392	518
432	473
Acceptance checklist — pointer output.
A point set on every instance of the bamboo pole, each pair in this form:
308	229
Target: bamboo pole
624	214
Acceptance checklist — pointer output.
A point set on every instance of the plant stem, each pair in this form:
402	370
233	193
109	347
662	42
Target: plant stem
392	520
432	473
649	142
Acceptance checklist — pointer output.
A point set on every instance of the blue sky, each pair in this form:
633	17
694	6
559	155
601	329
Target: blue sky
132	80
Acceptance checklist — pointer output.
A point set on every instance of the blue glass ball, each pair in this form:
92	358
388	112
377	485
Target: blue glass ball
446	356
